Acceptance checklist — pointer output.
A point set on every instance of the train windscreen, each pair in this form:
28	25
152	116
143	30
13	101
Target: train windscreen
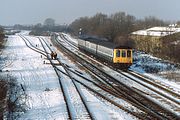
117	53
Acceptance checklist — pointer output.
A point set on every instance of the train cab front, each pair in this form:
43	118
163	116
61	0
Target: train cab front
123	58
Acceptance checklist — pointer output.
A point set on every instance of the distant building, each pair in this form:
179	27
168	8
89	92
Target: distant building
149	40
157	31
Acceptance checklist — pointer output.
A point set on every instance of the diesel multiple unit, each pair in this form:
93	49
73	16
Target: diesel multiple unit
118	56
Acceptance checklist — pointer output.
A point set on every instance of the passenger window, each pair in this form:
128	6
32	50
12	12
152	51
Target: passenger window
128	53
123	53
117	53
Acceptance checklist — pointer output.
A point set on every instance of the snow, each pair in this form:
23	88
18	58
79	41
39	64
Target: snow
45	105
152	67
157	31
175	85
70	38
149	65
28	68
155	68
108	112
44	98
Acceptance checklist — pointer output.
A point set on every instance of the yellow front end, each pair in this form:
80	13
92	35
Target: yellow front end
123	56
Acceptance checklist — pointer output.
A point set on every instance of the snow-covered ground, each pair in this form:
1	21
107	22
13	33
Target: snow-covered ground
164	72
148	64
44	99
105	110
151	67
39	80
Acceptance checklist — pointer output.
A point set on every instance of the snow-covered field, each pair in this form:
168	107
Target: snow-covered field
159	71
164	72
28	68
44	99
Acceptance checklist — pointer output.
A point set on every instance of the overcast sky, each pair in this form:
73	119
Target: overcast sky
66	11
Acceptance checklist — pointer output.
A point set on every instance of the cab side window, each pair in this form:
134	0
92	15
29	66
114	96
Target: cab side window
128	53
118	53
123	53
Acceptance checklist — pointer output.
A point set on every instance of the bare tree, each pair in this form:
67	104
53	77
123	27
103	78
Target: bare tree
49	22
114	27
1	33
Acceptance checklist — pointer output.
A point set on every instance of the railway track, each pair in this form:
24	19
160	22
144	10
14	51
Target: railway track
142	78
152	82
46	55
57	69
29	44
164	112
174	98
86	113
108	88
75	111
157	91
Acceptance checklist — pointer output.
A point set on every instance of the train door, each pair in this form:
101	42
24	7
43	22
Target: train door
117	55
123	58
129	56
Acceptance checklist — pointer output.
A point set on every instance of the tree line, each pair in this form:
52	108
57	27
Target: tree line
118	27
115	27
1	33
171	47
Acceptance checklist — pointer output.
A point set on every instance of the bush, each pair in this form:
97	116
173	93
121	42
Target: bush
3	93
1	33
12	98
171	47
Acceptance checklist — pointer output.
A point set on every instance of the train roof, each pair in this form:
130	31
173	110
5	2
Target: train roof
86	37
112	45
105	43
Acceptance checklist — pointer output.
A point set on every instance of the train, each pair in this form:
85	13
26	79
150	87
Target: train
113	54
